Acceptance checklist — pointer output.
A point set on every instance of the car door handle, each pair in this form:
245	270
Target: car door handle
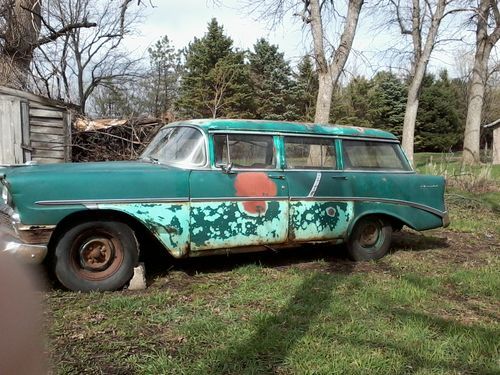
339	177
276	176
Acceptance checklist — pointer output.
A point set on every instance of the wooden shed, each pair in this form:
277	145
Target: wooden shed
33	128
495	126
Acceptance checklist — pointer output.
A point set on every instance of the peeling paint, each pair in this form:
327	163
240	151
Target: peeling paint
231	225
169	222
312	221
255	184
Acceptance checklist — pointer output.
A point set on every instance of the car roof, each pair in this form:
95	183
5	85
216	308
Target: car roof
286	127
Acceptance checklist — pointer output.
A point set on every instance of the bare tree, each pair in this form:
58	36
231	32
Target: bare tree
420	20
83	60
22	30
329	70
330	60
487	17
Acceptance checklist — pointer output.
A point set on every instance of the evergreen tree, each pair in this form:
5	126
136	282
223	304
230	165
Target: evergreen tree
387	103
305	89
438	119
272	83
163	82
216	81
352	103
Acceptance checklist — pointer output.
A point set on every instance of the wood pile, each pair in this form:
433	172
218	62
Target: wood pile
112	139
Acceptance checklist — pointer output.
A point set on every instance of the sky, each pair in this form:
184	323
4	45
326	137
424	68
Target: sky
183	20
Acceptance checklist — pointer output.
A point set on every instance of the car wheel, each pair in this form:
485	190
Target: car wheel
96	256
370	239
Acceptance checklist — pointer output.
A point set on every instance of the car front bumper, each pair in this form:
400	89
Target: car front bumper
13	243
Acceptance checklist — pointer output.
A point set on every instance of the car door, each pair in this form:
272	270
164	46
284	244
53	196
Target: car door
242	200
317	208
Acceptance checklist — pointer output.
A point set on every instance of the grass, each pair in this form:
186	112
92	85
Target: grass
430	307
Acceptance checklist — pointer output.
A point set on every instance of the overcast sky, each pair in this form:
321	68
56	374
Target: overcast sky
182	20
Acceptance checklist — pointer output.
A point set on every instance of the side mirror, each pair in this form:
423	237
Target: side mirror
227	168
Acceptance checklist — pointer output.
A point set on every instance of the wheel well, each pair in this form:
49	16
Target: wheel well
147	241
396	223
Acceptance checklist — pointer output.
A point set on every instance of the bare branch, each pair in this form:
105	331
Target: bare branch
66	29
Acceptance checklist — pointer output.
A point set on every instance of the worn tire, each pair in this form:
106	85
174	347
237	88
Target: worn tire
96	256
370	239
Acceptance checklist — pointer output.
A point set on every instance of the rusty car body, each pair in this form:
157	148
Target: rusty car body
214	186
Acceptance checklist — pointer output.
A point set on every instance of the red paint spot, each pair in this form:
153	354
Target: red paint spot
255	184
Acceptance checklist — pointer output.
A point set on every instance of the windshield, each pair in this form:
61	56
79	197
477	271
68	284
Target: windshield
177	145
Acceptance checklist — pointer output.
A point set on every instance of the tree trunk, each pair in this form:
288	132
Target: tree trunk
329	73
324	99
475	108
21	34
484	44
419	66
410	119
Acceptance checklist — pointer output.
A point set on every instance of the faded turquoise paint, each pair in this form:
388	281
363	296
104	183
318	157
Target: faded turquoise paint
88	181
169	222
217	225
286	127
316	221
413	217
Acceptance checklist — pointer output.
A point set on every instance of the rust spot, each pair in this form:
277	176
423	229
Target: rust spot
255	184
330	211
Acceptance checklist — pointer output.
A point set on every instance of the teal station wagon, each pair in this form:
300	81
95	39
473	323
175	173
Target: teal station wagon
207	187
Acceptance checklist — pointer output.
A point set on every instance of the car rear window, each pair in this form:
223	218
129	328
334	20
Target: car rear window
373	155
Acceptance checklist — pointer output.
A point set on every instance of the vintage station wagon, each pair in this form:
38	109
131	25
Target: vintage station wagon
214	186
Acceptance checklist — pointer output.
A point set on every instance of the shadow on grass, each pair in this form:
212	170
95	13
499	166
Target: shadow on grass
158	264
276	335
410	241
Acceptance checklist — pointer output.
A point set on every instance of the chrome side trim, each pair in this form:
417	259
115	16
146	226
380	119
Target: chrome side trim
238	199
375	200
86	202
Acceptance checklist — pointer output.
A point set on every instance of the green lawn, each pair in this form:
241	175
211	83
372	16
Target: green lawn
430	307
430	162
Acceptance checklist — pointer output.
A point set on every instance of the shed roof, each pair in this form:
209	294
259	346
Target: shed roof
494	124
36	98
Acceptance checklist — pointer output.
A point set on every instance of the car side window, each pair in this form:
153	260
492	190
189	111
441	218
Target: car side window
245	150
310	153
372	155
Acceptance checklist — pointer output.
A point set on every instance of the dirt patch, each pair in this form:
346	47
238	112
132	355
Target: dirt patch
440	246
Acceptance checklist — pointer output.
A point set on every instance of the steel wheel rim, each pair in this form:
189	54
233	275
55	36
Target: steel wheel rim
371	235
98	256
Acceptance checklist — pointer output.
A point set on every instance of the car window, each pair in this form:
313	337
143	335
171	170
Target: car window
310	153
373	155
177	145
245	150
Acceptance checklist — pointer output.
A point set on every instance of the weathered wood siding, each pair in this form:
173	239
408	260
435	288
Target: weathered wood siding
33	128
49	133
10	130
